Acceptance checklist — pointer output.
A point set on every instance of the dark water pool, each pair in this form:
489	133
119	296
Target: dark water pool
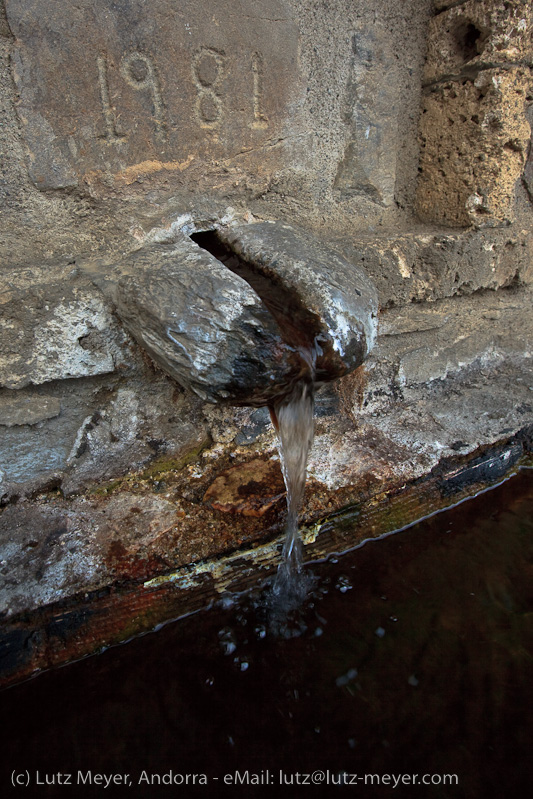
414	655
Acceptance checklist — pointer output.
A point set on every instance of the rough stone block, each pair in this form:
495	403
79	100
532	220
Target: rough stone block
477	34
21	408
474	140
371	113
54	325
138	423
420	266
135	88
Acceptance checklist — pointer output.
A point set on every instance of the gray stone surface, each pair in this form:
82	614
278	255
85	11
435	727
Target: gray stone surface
425	264
55	325
277	145
106	428
21	408
130	90
35	456
371	115
45	555
134	426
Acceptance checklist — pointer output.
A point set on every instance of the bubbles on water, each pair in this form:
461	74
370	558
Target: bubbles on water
228	641
343	584
260	631
380	632
284	605
347	678
227	601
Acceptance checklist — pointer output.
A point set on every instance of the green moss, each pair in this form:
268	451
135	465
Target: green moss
107	488
152	472
165	464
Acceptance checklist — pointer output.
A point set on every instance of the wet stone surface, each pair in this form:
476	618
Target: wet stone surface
204	326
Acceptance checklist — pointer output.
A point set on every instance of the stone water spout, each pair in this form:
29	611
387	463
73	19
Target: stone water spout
243	315
255	315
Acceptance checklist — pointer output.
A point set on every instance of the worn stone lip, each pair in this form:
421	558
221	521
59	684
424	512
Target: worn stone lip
301	328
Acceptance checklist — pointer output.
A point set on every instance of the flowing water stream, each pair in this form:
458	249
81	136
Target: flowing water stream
294	420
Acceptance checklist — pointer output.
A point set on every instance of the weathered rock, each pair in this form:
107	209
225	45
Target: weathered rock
20	408
410	420
423	266
479	33
129	91
371	114
444	378
207	328
55	325
137	425
45	555
474	142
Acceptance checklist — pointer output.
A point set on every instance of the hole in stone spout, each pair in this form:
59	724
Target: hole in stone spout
299	327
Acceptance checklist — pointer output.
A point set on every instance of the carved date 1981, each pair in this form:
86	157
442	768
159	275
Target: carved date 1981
208	70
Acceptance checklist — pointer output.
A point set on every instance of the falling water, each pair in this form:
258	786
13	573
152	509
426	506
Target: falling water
295	425
293	417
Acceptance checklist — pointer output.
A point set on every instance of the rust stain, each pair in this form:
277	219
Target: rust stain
144	168
250	489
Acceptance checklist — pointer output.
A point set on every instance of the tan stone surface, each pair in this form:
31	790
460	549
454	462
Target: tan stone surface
479	33
474	139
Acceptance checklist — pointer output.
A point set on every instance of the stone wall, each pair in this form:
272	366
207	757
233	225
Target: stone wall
399	133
